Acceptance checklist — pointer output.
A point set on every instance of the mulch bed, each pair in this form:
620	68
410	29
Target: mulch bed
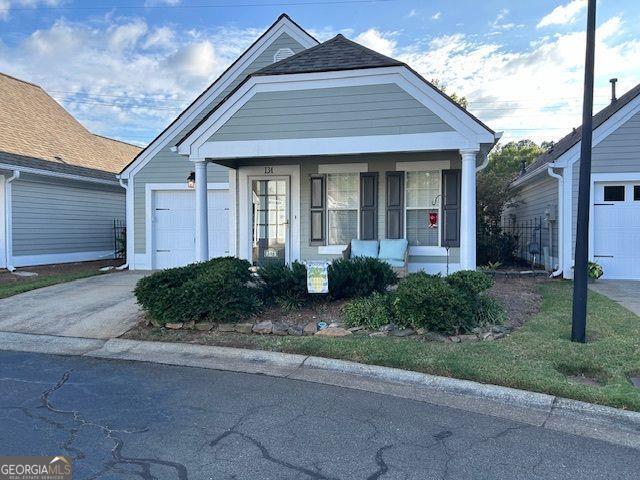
7	277
519	296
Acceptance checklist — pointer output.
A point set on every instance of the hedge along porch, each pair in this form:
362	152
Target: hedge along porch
321	151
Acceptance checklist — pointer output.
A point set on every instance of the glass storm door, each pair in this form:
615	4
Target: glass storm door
270	220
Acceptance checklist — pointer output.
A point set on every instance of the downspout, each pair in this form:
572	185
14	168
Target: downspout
8	236
560	242
126	188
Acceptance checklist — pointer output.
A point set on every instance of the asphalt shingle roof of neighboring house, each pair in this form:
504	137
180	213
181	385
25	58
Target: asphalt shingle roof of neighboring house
36	131
565	143
339	53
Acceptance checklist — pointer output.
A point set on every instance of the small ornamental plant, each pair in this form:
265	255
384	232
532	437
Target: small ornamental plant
594	270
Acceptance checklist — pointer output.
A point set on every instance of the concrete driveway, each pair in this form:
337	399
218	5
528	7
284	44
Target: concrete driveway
625	292
96	307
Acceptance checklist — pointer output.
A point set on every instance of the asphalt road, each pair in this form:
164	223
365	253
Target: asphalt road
128	420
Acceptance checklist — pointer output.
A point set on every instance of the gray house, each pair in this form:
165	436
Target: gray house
549	190
59	194
300	147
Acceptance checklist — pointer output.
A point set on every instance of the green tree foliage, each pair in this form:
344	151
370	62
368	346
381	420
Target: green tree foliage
459	99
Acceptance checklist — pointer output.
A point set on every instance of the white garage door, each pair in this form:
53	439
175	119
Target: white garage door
174	230
617	229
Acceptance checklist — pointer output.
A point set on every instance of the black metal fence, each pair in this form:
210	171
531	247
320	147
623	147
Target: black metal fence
528	238
119	239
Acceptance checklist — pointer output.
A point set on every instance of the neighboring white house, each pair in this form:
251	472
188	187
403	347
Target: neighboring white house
300	147
549	188
59	194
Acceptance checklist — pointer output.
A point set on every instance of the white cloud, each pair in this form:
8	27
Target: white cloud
563	14
498	25
381	42
155	3
436	16
7	5
536	92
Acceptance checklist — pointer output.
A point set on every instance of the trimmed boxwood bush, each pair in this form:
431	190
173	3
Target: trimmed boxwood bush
470	281
429	301
217	290
359	277
282	284
372	312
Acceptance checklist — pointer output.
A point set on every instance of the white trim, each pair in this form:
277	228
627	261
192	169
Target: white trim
344	168
423	166
3	232
331	249
8	221
65	176
53	258
470	132
242	217
144	261
430	251
567	242
409	142
233	213
284	25
433	268
615	177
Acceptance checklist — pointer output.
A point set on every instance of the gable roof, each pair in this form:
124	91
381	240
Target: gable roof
282	19
336	54
339	53
34	126
564	144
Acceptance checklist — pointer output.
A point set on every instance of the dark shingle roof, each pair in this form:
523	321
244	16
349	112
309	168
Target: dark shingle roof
565	143
339	53
15	160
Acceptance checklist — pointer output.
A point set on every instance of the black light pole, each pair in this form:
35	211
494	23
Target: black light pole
579	320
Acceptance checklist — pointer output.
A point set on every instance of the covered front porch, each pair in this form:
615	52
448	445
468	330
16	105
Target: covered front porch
310	207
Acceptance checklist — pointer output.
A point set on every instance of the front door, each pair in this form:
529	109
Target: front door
270	219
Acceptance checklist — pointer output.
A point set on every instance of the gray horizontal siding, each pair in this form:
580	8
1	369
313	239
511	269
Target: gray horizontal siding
169	167
380	163
330	112
618	153
534	200
55	217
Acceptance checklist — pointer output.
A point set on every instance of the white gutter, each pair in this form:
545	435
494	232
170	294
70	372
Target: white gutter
8	250
560	223
48	173
485	161
126	257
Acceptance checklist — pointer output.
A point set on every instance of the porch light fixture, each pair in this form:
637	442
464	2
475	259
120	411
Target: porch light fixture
191	180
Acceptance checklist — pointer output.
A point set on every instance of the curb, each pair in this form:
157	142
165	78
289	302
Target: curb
613	425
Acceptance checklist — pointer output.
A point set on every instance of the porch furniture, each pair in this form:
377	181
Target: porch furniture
395	252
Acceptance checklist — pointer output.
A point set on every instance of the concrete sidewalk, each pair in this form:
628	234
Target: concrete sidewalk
624	292
603	423
102	306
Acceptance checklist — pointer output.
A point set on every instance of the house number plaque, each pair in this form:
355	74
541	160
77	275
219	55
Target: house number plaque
268	170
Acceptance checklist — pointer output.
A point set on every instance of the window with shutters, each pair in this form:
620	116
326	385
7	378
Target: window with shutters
422	208
343	200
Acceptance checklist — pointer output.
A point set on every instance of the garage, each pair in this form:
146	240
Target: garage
616	225
174	227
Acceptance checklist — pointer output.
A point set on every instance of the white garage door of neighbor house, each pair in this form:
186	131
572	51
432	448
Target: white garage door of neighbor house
174	226
617	229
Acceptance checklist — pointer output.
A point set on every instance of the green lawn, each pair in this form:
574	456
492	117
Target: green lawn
31	283
538	357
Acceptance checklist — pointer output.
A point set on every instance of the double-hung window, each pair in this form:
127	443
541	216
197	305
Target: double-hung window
343	201
422	205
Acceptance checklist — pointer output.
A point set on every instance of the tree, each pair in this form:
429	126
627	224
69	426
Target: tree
495	193
460	100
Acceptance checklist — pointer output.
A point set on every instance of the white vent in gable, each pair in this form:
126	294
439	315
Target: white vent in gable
282	54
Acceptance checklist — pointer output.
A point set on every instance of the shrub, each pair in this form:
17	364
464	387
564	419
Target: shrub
372	312
216	290
470	281
429	301
495	246
359	277
488	311
283	284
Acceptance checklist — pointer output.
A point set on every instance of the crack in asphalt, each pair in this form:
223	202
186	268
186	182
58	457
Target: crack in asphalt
145	464
382	465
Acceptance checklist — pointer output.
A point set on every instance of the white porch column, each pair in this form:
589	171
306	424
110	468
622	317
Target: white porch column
202	215
468	210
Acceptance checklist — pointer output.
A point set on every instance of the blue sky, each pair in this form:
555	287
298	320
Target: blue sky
126	69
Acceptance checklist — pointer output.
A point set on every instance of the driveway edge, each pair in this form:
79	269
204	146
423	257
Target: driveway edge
613	425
